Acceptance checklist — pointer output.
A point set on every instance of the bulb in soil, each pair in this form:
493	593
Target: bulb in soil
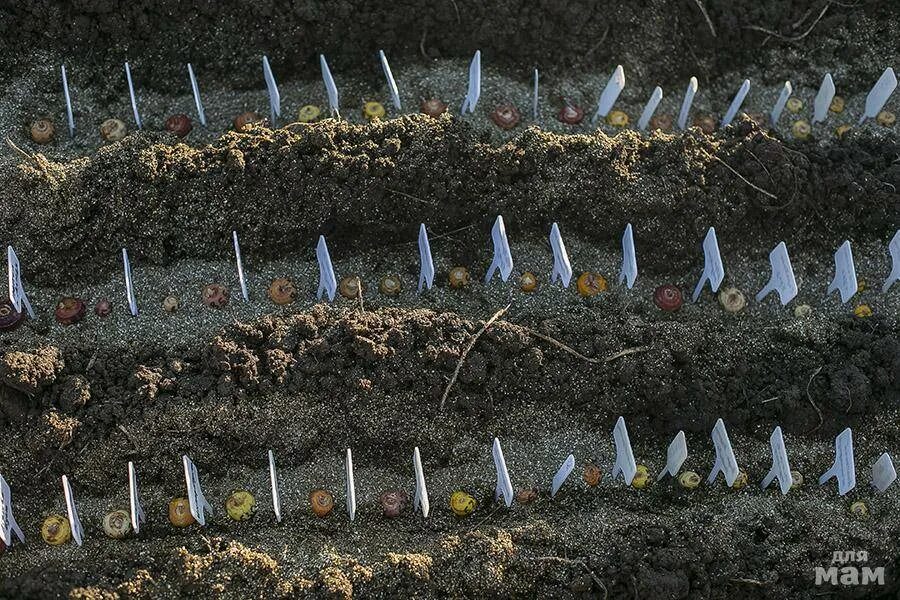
590	284
505	116
240	505
321	502
308	113
282	291
392	503
668	298
528	282
170	304
390	285
55	530
641	478
801	311
373	111
841	130
689	480
796	480
245	119
859	509
794	105
741	481
113	130
886	118
180	125
801	129
732	300
571	114
837	105
214	295
661	122
42	131
351	285
526	495
117	524
180	512
103	308
617	118
863	311
462	504
70	310
706	124
459	277
10	318
433	107
592	474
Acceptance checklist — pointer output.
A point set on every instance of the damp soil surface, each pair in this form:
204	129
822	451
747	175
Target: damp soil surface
384	374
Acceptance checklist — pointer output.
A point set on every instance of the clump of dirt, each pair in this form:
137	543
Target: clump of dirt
364	184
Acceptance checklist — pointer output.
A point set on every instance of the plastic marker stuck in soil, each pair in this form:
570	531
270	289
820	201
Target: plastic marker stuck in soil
782	279
420	502
426	269
781	468
134	106
272	87
823	99
534	96
327	280
240	265
562	474
8	524
686	103
473	93
129	285
844	468
391	83
894	250
629	270
502	255
504	485
736	103
70	118
625	463
562	268
650	108
17	296
879	94
196	499
350	487
72	512
675	456
844	273
134	499
334	105
195	89
725	463
883	473
610	94
786	92
713	271
276	490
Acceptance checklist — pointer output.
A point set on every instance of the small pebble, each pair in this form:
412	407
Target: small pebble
42	131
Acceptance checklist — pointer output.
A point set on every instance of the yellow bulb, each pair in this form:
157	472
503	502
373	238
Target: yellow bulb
462	504
308	113
55	530
241	505
373	110
641	478
617	118
862	311
801	129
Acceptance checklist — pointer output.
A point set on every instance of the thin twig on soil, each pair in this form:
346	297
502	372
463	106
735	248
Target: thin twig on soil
702	8
744	179
130	438
599	42
22	152
359	294
576	353
422	41
410	196
465	353
576	562
748	581
626	352
786	38
809	397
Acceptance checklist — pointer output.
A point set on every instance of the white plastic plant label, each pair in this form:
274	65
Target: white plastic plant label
786	92
334	106
625	463
725	463
8	524
844	273
686	103
883	473
196	499
195	89
879	94
650	108
629	270
72	512
782	279
426	270
504	485
534	97
675	456
562	474
240	265
844	468
17	295
134	499
391	82
502	255
272	87
69	116
350	485
611	92
894	249
420	501
327	280
276	489
474	91
823	99
562	268
736	103
134	106
780	466
129	284
713	271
